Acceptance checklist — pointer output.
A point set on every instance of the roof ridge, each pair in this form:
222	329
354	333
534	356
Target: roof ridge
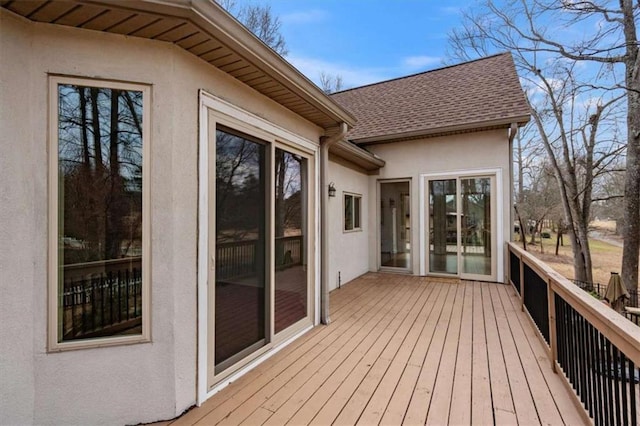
421	73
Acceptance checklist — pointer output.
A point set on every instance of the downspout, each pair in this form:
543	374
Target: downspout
325	144
513	131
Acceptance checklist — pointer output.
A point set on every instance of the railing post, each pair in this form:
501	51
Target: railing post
553	341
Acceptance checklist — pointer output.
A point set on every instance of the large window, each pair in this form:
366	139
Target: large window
99	224
352	204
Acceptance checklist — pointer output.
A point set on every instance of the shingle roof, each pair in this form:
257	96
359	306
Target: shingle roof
478	94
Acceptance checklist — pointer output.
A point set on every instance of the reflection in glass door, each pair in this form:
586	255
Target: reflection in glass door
476	225
240	289
395	225
290	239
443	226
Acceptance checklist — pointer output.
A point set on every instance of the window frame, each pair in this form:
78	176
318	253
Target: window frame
53	321
354	196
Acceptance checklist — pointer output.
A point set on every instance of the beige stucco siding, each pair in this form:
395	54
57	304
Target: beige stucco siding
447	154
124	384
20	225
348	251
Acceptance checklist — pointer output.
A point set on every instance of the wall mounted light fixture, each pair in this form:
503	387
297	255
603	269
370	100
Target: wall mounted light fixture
332	189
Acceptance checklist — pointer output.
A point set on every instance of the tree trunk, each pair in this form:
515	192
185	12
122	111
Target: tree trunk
95	121
631	230
83	129
112	217
522	233
558	239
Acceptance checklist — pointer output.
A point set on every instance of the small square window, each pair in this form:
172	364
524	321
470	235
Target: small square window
352	209
99	215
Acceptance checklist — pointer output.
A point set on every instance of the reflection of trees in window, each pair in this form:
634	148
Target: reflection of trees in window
288	193
238	163
100	172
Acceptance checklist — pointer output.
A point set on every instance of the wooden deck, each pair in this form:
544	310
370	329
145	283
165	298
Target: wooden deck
404	350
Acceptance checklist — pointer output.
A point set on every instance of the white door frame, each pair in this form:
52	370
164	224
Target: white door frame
240	119
424	220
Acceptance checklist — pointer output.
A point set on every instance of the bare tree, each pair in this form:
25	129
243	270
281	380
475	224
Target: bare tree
260	21
539	200
330	83
574	134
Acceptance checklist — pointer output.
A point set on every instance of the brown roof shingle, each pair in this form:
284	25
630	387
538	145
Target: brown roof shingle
478	94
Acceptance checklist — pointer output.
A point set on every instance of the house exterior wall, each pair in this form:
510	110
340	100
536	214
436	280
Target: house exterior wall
347	249
121	384
446	154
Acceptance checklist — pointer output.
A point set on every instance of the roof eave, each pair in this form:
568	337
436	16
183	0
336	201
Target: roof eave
246	44
357	155
520	120
211	18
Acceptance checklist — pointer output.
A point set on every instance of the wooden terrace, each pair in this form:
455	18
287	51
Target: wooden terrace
405	350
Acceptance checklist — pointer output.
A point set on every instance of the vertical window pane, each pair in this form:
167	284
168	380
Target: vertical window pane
348	212
443	227
290	239
476	225
240	291
100	212
356	212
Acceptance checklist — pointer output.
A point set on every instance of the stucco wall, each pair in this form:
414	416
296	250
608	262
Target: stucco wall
348	251
456	153
115	385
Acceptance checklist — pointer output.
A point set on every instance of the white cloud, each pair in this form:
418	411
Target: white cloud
304	17
416	62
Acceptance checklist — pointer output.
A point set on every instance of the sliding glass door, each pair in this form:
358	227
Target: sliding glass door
290	239
241	223
477	232
443	226
461	221
260	247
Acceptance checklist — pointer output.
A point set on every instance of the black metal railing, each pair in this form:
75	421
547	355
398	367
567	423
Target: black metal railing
603	378
101	298
514	265
535	300
596	349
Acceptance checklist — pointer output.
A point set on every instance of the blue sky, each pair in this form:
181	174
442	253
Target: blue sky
366	41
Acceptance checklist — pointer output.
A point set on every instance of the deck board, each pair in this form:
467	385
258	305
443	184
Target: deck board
403	349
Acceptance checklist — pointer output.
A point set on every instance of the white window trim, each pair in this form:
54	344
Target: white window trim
53	344
344	203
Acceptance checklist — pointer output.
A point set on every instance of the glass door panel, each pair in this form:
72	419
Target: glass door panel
443	227
290	239
240	288
395	224
476	225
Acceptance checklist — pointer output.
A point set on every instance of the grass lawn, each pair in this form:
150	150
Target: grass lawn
606	258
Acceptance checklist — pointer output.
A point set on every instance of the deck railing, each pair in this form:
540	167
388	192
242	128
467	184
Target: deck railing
101	298
596	349
238	258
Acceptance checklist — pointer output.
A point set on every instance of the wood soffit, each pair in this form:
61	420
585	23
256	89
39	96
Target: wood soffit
205	30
